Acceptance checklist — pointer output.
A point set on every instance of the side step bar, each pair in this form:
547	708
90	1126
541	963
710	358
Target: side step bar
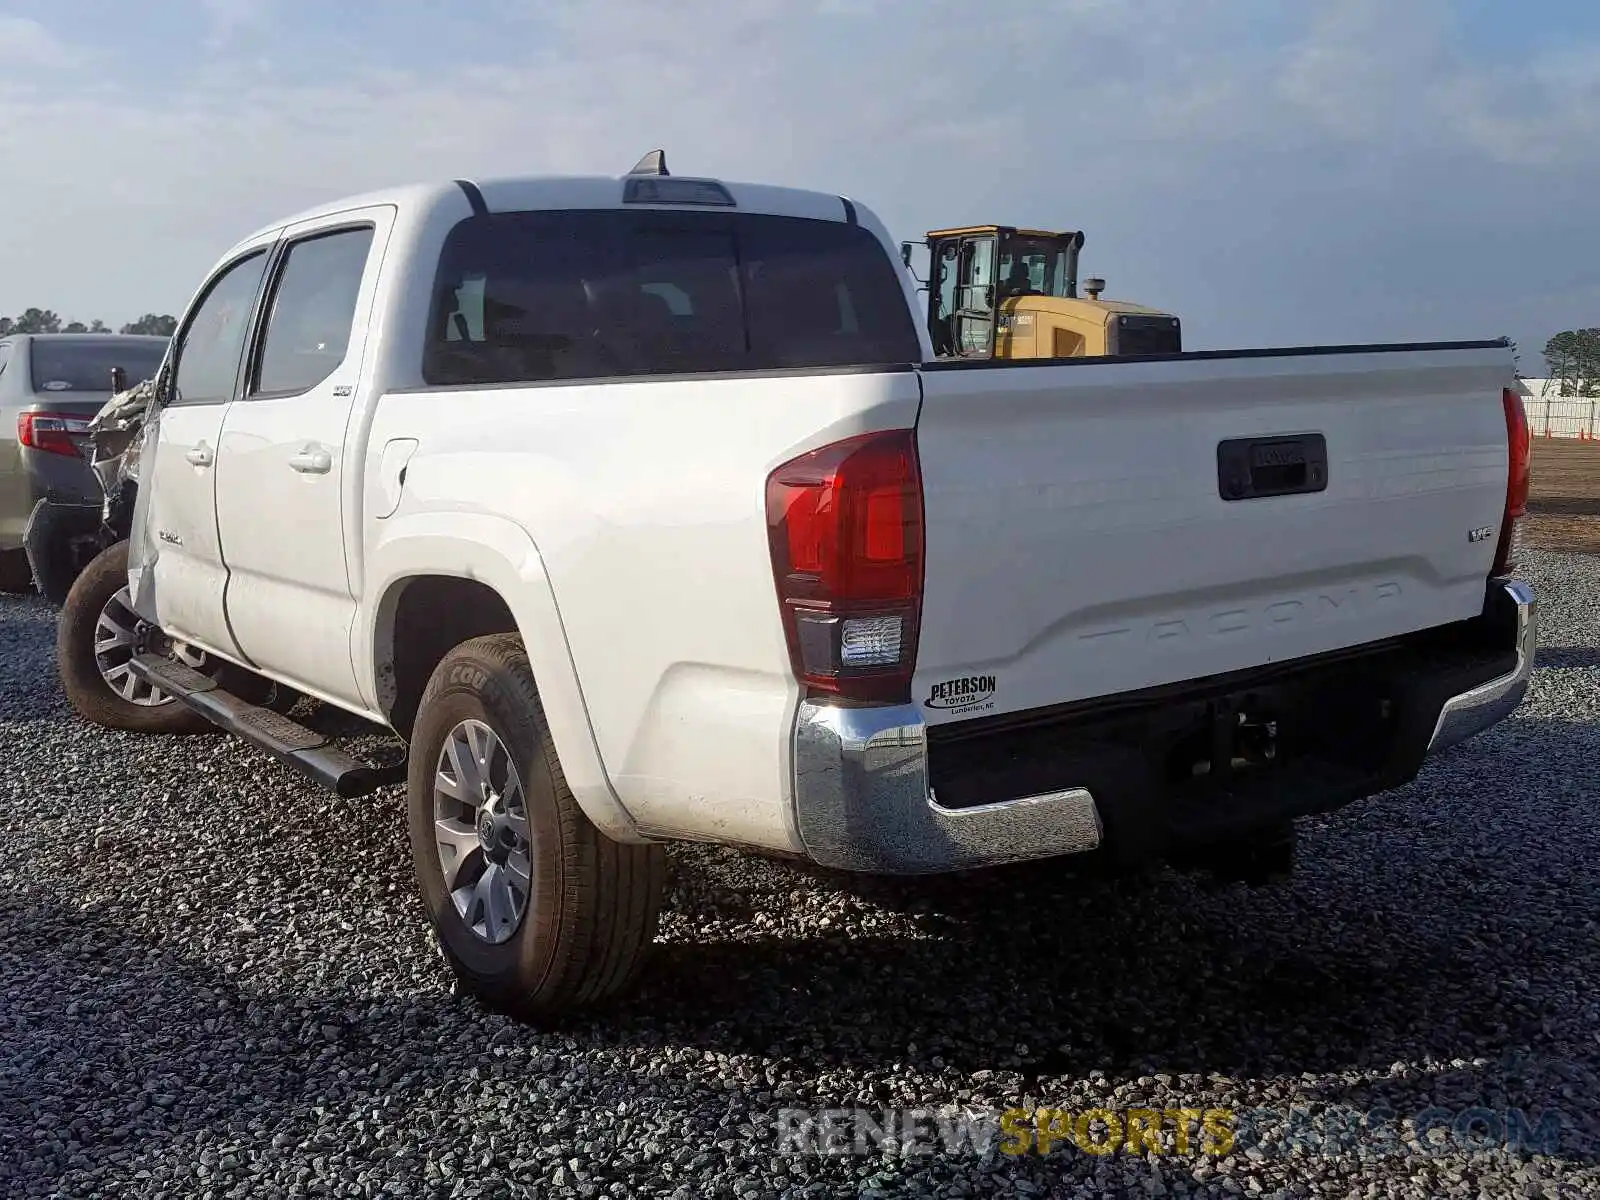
304	749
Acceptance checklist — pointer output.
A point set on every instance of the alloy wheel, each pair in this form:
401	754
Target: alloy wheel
121	635
480	822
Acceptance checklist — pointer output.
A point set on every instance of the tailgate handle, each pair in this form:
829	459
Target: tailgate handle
1280	465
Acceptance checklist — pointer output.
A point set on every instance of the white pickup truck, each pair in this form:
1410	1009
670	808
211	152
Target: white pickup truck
639	508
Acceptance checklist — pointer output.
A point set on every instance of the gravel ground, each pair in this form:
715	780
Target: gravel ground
215	981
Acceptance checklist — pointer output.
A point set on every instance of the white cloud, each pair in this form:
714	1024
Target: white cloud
1330	175
26	43
229	18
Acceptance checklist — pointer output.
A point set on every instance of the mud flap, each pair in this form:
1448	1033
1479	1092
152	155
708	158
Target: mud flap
60	540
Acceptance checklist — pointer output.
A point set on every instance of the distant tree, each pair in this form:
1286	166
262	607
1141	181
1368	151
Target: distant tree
1573	360
151	323
36	320
42	320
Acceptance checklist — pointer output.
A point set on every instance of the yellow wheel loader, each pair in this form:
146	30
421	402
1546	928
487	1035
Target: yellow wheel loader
999	292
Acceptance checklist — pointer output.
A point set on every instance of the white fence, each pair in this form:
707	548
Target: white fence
1551	414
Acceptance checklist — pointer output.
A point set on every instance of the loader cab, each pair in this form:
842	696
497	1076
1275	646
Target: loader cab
974	273
995	291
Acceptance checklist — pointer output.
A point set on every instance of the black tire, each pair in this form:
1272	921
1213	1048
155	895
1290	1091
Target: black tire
91	697
594	904
16	576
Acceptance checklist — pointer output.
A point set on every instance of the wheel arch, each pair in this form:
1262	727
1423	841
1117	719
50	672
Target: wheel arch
439	579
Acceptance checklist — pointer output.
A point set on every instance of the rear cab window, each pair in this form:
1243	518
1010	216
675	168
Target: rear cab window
566	295
73	365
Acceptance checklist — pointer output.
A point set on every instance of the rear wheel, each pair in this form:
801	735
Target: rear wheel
98	636
537	911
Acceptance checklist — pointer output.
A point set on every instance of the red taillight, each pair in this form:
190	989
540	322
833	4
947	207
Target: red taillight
1519	446
49	432
844	523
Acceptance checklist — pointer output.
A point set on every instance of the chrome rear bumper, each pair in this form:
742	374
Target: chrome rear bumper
1490	703
863	800
864	804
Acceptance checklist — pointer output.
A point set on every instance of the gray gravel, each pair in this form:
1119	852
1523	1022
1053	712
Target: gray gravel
216	981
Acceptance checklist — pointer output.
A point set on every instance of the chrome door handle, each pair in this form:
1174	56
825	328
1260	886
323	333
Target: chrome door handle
199	456
312	462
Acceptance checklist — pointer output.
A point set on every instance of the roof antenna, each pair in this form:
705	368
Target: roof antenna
654	163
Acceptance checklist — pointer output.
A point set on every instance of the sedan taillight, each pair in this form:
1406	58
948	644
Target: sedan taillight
50	432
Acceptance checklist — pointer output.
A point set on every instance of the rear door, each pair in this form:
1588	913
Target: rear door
175	558
1079	543
281	468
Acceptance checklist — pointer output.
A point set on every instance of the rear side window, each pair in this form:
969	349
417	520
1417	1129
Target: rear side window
313	311
532	296
71	365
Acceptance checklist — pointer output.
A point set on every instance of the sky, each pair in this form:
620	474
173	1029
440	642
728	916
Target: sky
1277	172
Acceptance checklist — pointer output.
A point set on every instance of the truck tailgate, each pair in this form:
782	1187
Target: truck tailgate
1078	543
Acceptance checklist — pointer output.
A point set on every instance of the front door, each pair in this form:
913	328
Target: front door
175	565
282	468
